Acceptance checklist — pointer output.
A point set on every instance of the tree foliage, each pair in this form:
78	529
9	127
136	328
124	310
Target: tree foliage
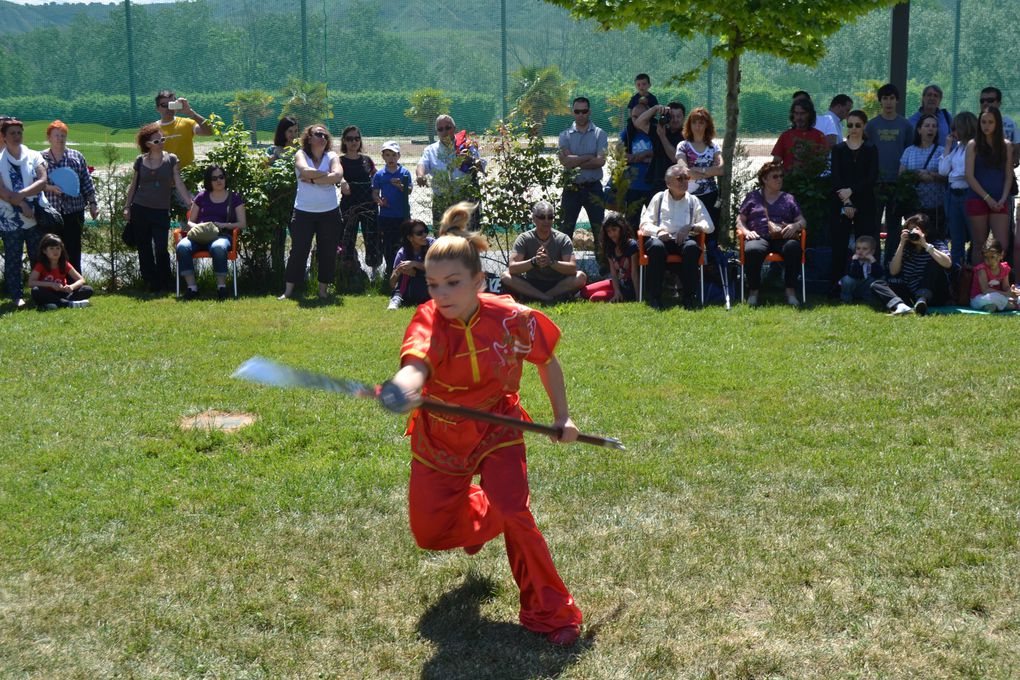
306	101
250	106
538	92
426	105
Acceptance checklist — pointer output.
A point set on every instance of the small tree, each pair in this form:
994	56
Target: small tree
250	106
538	93
426	105
520	175
117	265
307	101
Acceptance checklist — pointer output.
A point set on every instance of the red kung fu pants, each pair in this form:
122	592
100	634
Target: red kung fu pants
448	511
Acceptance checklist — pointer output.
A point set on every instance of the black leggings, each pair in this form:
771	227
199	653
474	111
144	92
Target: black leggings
48	296
754	256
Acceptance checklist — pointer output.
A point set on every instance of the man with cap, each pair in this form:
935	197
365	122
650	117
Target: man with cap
391	189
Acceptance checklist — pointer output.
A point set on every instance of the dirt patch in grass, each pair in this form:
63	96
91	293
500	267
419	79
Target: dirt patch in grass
217	420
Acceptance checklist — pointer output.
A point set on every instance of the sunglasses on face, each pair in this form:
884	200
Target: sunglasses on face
855	125
419	232
544	216
352	139
578	112
320	135
157	141
163	105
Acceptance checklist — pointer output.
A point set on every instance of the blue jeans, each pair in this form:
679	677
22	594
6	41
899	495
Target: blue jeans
855	289
959	227
14	242
218	249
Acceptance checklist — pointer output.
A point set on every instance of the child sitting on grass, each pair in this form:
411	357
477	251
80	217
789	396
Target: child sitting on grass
622	252
54	281
865	269
989	289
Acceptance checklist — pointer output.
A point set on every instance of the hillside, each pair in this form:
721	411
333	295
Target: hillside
22	18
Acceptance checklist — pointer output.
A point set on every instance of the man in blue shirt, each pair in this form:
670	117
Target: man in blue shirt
583	148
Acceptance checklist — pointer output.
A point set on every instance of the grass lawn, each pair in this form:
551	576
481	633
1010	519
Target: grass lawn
88	138
828	493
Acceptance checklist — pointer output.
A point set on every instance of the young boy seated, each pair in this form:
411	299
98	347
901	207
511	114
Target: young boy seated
864	270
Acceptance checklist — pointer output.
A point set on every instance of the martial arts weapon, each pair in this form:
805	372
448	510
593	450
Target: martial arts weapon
266	372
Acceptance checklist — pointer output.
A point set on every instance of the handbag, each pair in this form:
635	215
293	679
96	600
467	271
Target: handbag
48	219
203	233
961	289
127	234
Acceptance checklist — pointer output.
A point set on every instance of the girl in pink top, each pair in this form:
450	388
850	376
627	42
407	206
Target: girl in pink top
989	290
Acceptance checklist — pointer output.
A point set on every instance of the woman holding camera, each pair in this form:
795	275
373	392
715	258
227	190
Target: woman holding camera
852	201
919	270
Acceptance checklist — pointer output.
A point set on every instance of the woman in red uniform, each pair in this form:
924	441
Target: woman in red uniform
468	348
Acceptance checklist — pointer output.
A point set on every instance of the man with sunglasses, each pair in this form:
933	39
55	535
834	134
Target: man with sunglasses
179	131
543	266
454	170
583	148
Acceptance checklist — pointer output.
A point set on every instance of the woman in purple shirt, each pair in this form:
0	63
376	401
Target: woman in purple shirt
770	222
223	208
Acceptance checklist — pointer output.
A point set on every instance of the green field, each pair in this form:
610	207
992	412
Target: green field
88	138
829	493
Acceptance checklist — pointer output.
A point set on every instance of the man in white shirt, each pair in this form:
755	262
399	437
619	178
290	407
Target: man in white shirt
669	225
830	123
453	166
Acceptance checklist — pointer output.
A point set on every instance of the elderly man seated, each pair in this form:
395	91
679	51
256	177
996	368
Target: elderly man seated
543	266
670	223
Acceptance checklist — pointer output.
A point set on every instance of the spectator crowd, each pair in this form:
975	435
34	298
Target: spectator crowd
920	210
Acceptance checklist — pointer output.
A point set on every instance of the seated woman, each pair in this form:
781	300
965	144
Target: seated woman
224	209
770	221
622	252
408	277
919	270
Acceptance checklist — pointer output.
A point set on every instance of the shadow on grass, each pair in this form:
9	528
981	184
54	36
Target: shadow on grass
469	646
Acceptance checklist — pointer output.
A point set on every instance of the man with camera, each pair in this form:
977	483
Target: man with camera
179	131
665	126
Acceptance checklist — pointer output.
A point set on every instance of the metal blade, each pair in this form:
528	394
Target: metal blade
265	372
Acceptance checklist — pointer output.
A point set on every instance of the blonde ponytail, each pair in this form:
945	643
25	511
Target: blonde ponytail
456	241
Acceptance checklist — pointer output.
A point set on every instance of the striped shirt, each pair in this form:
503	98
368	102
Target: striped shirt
71	204
915	261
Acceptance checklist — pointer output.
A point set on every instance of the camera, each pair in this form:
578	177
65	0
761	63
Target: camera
174	105
914	236
664	116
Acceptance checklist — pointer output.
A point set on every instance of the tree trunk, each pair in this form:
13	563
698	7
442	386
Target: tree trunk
254	134
729	143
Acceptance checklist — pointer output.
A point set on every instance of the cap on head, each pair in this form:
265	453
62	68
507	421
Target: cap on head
391	145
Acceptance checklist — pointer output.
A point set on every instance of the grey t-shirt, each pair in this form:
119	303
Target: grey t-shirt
558	247
890	137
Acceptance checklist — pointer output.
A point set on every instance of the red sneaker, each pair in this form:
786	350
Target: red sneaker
564	637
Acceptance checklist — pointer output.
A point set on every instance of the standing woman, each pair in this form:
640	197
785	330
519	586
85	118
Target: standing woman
953	167
22	176
147	206
357	205
853	209
989	173
469	348
922	158
283	138
316	210
704	159
71	208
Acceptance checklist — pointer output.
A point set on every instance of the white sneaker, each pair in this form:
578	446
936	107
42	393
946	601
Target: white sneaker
902	309
395	302
792	300
77	304
752	300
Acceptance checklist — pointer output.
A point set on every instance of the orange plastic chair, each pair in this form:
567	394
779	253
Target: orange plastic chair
670	259
778	257
231	257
